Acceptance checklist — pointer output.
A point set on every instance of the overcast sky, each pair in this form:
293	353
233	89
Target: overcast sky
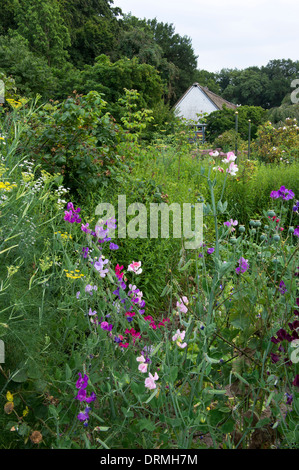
228	33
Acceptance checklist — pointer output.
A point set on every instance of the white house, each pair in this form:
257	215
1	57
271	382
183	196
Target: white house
198	101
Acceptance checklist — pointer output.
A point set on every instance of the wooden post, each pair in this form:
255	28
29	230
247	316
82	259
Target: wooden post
249	138
236	129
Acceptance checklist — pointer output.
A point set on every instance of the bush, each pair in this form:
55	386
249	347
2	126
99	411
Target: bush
75	137
224	120
280	144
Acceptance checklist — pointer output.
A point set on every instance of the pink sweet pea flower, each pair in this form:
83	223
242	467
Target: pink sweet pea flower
143	365
182	304
178	338
135	267
232	169
230	157
150	381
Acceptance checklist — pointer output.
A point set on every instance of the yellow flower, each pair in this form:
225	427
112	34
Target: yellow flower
7	186
9	396
72	275
14	104
26	411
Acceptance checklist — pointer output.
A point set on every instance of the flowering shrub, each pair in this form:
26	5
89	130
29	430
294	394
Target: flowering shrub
275	145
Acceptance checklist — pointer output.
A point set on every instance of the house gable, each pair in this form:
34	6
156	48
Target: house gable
199	100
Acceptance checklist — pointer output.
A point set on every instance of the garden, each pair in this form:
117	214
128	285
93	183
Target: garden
112	341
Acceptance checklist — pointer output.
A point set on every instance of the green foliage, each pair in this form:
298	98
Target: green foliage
224	120
93	28
278	115
278	144
111	78
220	374
265	86
31	73
75	138
41	23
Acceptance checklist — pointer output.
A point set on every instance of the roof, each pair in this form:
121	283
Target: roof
199	99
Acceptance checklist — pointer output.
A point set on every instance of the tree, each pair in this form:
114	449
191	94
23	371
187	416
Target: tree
93	27
207	79
177	50
7	16
41	23
111	78
31	73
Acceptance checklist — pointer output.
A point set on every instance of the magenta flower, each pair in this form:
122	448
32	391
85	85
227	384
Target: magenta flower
296	381
84	416
72	214
85	228
231	223
81	395
91	398
296	231
105	326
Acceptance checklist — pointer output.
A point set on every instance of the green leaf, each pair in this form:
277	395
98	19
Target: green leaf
137	389
186	265
146	424
173	373
240	321
228	426
262	422
68	372
20	376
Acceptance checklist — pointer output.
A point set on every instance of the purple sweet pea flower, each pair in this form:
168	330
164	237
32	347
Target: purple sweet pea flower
91	398
82	382
243	265
282	287
296	381
282	193
274	194
81	395
113	246
84	416
285	193
210	250
105	326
